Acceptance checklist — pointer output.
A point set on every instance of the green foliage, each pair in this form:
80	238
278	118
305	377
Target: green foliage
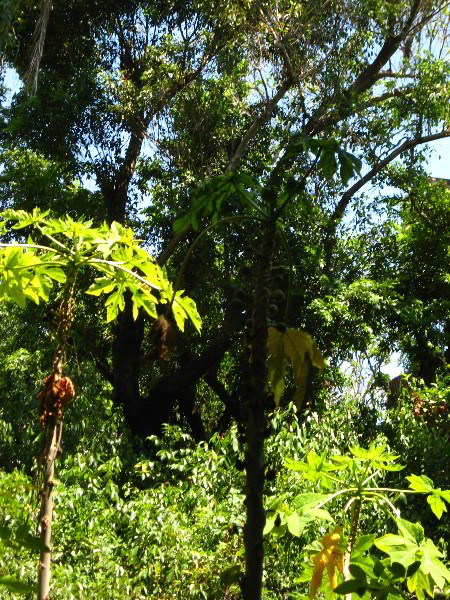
247	190
414	559
329	154
27	270
209	199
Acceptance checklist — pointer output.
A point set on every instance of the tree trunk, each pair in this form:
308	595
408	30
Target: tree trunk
57	392
52	440
254	457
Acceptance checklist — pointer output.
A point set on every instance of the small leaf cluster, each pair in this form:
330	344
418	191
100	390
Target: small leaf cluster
209	199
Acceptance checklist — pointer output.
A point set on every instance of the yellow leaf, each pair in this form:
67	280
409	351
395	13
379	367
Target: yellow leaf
300	349
330	557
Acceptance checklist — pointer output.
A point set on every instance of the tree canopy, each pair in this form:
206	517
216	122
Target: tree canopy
271	158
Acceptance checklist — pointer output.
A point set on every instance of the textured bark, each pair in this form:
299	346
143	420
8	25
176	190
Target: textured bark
254	456
126	366
52	416
156	407
52	441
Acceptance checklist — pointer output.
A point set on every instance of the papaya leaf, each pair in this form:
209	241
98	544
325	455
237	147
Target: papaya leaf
437	505
357	572
102	285
184	307
364	564
350	586
319	513
399	548
420	483
364	542
296	347
296	524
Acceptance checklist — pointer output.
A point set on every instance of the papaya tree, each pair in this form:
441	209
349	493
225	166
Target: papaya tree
27	272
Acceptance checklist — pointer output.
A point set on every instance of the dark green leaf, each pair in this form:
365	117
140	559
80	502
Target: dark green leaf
350	586
231	576
16	587
397	570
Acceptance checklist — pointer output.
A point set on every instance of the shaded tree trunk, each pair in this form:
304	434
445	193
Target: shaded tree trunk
254	456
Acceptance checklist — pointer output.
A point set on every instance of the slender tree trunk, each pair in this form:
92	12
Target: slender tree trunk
57	392
52	440
356	512
254	458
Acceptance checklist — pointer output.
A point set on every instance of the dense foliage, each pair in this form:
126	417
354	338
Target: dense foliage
245	185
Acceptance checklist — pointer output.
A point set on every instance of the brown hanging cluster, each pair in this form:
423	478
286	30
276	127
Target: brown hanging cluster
429	410
56	393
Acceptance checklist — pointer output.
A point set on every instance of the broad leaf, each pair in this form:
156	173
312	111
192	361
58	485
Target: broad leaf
364	542
420	483
298	348
437	505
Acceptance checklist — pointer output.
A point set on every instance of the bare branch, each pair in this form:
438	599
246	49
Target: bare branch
344	201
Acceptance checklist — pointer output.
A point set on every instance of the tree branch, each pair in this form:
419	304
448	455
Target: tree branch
347	196
257	124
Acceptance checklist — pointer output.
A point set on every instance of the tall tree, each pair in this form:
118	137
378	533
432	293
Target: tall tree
145	103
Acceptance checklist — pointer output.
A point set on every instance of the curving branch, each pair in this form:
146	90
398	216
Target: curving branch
343	203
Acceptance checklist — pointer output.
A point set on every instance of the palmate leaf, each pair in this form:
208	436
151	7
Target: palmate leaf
102	285
298	348
378	457
208	200
23	218
28	273
435	498
411	548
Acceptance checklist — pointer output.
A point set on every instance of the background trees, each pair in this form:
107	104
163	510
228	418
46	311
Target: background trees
139	105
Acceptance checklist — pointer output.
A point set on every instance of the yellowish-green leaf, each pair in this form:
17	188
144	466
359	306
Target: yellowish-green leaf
420	483
102	285
298	348
111	313
319	513
437	505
